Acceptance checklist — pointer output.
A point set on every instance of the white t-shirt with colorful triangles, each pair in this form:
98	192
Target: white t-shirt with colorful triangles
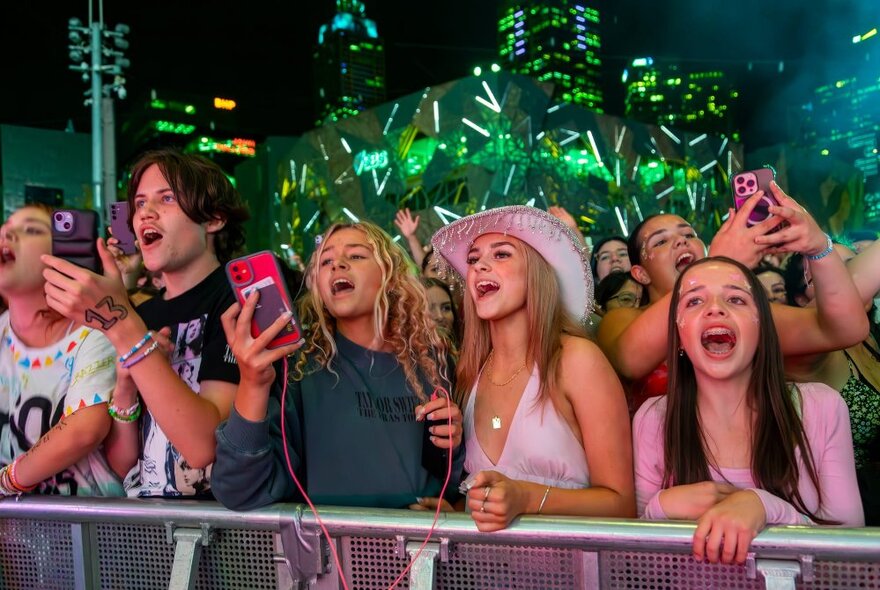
39	385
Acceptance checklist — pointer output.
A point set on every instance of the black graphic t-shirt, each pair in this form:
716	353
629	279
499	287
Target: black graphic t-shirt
352	437
200	354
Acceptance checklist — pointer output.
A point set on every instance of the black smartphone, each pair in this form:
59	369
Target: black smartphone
75	237
121	229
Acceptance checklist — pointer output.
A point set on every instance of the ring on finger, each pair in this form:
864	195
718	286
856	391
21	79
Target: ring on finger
483	506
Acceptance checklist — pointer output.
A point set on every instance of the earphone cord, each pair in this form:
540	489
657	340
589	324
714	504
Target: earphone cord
314	510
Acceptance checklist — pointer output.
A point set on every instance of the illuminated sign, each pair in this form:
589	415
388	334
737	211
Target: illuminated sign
238	146
225	104
172	127
365	161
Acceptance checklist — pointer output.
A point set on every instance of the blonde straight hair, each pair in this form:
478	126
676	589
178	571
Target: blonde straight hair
547	319
400	315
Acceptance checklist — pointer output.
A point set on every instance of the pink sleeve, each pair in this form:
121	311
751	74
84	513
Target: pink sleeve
778	511
827	428
648	457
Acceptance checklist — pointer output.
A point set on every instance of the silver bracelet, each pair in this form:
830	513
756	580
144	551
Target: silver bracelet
544	499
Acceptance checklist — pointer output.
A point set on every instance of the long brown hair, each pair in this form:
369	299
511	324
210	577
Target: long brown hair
400	313
778	431
547	319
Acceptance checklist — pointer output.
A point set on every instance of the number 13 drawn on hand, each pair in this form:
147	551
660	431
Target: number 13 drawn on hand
118	310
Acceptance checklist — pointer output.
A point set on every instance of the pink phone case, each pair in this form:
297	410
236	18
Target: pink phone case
120	228
746	184
260	271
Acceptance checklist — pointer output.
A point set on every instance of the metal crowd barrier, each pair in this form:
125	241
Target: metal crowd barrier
53	542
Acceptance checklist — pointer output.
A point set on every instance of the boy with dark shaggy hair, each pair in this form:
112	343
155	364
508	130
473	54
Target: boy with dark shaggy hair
188	219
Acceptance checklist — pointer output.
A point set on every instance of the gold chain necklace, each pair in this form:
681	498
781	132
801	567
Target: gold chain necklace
496	419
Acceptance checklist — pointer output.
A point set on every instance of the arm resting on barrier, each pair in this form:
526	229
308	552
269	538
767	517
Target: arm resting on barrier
250	470
74	437
597	406
827	428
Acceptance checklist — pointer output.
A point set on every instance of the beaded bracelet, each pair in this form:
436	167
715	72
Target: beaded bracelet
13	481
128	415
828	250
133	361
135	348
6	488
544	499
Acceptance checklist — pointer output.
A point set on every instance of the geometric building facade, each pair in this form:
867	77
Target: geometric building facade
482	142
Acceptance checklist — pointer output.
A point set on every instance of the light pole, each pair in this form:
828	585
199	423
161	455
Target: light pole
105	47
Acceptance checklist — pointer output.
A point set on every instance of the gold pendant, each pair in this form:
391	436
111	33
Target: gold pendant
496	422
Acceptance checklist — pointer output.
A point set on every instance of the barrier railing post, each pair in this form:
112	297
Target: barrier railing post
779	574
588	570
422	573
305	552
86	572
187	551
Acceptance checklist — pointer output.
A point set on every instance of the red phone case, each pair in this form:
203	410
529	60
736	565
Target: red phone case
261	271
119	226
74	237
746	184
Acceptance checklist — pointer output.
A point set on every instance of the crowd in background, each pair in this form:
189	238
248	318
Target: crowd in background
733	383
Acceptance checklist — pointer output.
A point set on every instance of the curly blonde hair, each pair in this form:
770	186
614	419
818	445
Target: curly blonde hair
400	315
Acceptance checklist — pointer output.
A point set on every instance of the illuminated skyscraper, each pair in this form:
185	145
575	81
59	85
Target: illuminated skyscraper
668	94
842	119
349	63
554	41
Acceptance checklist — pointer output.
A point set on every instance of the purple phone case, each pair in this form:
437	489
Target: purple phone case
121	230
77	244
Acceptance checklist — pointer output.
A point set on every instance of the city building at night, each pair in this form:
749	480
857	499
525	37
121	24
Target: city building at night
555	41
842	119
206	125
349	62
670	94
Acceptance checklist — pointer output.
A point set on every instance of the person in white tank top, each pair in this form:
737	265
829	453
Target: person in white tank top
546	423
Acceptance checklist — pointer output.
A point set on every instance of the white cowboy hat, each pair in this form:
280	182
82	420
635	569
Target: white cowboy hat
551	238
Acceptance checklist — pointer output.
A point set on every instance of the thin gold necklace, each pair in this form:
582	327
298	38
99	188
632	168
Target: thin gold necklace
512	377
496	419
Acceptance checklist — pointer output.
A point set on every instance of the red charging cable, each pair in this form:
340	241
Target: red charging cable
315	510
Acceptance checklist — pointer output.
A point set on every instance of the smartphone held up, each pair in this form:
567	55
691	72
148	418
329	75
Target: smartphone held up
121	229
75	237
746	184
261	272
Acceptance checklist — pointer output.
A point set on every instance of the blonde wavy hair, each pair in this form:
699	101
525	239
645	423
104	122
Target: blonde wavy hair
547	321
400	315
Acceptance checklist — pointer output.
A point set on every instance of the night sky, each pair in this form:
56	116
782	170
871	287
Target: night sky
259	52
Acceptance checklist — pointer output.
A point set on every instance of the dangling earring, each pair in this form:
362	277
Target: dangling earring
680	352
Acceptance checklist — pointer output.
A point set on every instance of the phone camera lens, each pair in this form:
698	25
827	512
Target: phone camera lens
66	225
751	183
238	278
740	179
740	189
59	217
